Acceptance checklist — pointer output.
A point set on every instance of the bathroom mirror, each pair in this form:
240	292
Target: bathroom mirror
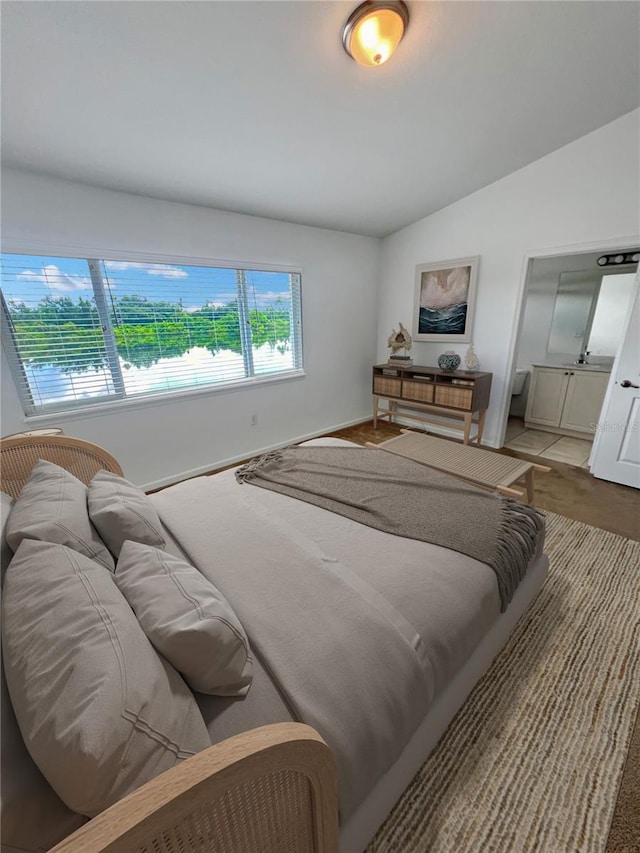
589	312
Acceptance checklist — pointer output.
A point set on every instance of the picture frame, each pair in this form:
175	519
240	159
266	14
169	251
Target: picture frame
444	304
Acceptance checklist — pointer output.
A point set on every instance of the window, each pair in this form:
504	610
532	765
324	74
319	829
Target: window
82	332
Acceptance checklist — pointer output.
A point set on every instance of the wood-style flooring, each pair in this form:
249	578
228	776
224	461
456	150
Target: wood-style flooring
567	490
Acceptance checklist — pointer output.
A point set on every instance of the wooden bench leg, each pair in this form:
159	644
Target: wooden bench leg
528	479
509	492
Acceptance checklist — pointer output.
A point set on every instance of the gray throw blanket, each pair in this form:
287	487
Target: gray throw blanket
403	497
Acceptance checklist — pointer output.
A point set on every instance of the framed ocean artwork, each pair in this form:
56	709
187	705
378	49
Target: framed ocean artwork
444	301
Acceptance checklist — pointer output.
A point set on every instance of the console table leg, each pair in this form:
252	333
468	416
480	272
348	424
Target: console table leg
481	419
467	427
375	412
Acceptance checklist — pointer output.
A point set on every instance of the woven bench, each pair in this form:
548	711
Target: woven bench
484	468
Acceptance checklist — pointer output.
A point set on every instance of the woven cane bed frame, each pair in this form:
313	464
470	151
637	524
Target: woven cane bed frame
270	790
18	455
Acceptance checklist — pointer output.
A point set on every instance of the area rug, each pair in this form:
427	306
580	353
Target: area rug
533	760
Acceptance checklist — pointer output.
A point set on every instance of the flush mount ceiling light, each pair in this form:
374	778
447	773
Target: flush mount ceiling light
374	30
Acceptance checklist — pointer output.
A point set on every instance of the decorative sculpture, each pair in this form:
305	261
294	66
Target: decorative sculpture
471	359
400	340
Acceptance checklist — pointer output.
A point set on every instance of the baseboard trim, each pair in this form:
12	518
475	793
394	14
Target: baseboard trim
234	460
440	430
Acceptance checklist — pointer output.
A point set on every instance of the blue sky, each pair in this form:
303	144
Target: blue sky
30	278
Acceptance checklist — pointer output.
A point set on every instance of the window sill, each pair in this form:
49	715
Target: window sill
112	406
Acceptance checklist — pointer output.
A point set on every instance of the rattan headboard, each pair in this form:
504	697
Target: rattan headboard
82	458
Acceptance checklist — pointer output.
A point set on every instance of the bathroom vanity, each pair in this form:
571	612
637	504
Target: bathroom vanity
566	398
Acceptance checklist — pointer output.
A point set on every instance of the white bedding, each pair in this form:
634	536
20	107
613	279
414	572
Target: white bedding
450	600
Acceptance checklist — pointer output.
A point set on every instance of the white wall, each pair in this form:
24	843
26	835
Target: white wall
168	439
586	192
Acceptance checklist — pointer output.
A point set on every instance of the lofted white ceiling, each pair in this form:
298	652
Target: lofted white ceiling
254	106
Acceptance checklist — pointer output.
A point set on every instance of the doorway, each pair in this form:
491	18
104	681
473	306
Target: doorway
573	308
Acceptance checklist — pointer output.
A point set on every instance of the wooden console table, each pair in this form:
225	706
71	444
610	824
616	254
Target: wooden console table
428	391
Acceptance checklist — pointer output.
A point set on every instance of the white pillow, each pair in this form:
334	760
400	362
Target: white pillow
33	816
52	507
187	619
100	712
122	511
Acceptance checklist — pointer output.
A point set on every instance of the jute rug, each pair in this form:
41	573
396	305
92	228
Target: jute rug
533	760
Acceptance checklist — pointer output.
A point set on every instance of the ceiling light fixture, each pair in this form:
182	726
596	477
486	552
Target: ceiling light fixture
374	30
629	256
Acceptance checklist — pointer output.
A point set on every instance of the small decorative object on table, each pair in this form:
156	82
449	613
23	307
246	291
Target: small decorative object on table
449	360
400	340
471	359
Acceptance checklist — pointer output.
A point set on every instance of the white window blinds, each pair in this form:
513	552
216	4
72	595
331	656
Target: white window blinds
79	332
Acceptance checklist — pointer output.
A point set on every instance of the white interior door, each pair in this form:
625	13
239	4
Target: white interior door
616	448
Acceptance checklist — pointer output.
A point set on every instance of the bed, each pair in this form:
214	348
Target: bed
372	639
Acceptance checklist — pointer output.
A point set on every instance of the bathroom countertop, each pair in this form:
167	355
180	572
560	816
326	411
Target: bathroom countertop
598	368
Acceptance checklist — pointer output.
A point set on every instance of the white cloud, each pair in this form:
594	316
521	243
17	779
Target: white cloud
123	265
165	270
222	298
55	279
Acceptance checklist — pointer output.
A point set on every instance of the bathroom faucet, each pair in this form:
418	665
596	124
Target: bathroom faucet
582	359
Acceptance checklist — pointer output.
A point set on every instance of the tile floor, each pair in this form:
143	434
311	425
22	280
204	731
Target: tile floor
547	445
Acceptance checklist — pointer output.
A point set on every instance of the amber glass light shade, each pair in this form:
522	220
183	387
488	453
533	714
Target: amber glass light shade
374	31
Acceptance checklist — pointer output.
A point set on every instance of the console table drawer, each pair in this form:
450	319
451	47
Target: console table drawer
387	386
420	391
459	398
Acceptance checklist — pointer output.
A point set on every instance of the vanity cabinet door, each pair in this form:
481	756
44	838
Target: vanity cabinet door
585	395
546	396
